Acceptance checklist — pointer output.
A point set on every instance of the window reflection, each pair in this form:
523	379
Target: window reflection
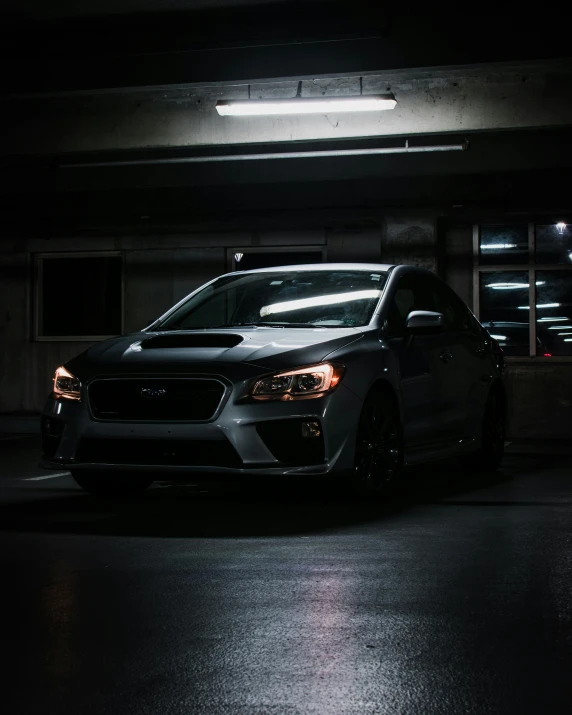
500	244
505	309
554	243
554	325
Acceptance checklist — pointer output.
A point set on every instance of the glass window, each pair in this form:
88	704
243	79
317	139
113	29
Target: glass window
274	297
505	308
554	243
506	296
412	293
457	316
502	244
554	312
79	296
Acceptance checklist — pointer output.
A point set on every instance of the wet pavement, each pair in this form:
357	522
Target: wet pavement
454	596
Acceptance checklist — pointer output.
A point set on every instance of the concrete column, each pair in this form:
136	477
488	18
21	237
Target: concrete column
410	239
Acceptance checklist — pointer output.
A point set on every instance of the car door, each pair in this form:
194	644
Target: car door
419	362
464	375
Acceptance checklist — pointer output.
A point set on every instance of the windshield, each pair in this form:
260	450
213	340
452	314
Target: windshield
282	299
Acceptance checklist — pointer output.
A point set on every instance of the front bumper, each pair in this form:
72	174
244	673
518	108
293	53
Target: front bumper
244	439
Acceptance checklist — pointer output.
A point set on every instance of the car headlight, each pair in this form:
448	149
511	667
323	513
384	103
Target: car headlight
303	383
66	386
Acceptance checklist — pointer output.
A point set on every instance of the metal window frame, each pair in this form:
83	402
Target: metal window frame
532	269
231	263
38	261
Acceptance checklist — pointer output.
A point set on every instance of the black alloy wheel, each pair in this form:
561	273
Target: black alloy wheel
112	484
379	445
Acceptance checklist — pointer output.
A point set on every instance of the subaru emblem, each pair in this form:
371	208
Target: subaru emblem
153	391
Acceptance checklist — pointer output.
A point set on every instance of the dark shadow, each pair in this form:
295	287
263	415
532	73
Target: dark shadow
222	510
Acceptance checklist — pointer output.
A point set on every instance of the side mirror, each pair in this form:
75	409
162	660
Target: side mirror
425	322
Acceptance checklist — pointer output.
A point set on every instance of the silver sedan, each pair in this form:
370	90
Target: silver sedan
347	371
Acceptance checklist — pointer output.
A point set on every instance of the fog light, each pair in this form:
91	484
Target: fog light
311	429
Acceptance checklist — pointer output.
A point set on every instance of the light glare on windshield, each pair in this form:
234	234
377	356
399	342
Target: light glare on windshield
320	300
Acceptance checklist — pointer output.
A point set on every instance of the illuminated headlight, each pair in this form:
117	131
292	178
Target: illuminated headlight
66	386
303	383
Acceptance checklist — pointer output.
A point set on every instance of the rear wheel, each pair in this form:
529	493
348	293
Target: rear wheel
112	484
379	445
493	433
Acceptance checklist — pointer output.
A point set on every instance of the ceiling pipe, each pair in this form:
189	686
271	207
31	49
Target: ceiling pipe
372	151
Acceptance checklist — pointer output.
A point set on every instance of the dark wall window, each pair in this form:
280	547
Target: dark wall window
554	244
505	309
501	244
509	296
79	296
554	311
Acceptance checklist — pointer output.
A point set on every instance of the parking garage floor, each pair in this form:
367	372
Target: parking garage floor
453	596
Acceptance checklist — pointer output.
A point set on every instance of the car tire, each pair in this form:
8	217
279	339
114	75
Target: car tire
112	484
378	461
489	456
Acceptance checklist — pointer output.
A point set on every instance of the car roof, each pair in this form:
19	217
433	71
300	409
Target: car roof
373	267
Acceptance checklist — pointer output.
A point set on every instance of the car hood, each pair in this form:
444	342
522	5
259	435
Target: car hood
211	350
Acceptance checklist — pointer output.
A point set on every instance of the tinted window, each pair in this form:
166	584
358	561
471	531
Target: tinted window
412	293
457	316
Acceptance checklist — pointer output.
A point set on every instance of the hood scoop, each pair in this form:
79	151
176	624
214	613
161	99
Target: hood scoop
192	340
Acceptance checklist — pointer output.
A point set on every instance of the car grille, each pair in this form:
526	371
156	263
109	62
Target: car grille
155	400
158	452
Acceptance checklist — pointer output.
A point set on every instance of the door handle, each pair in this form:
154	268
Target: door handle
445	357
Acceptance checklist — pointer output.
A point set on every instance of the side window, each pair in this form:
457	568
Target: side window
457	316
412	293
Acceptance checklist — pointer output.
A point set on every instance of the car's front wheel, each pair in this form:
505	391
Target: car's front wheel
379	445
111	484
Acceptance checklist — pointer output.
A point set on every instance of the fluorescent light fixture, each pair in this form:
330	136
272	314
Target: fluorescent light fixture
312	105
560	327
333	299
540	305
564	333
499	337
561	227
496	246
568	340
550	320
